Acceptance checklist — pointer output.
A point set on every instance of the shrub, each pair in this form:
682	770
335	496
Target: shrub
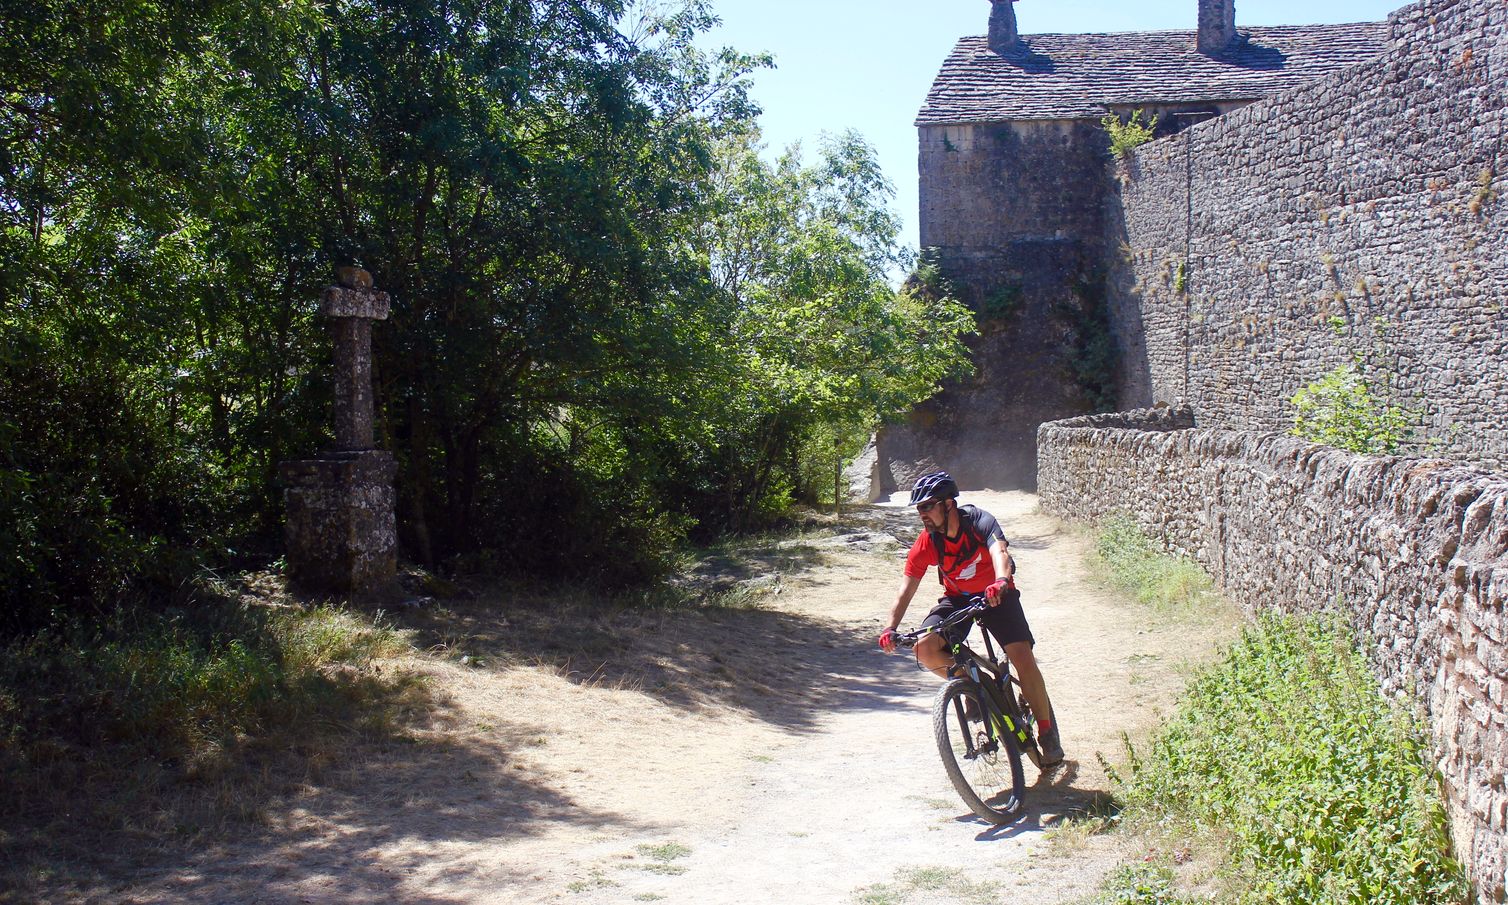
1321	786
1129	135
1341	409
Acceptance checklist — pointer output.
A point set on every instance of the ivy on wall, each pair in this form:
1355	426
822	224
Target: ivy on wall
1091	353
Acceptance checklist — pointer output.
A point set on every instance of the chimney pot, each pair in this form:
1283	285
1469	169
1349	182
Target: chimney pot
1003	35
1217	25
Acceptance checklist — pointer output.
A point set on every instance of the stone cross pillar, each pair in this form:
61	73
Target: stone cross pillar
342	533
351	308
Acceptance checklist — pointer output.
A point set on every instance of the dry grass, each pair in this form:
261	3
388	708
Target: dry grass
82	814
152	738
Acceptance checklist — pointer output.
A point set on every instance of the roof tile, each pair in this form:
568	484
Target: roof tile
1079	76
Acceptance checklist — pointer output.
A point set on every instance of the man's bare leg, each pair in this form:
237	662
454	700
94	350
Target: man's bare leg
1032	685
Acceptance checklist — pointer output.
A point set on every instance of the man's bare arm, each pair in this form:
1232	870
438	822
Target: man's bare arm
1005	567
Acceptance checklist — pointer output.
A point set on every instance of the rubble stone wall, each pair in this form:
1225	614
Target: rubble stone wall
1363	215
1014	213
1413	551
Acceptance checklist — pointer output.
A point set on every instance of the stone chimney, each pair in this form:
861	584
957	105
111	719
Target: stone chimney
1217	25
1003	36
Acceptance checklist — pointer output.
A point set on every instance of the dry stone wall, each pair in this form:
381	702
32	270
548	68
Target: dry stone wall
1412	550
1365	214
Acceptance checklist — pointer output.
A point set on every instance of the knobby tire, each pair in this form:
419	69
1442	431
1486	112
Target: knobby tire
991	783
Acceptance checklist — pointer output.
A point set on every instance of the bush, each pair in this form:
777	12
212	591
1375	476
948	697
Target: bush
1126	136
1343	410
1321	786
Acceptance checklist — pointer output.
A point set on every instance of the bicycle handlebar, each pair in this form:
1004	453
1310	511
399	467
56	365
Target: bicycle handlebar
977	604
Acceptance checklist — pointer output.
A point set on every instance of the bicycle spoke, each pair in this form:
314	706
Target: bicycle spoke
985	769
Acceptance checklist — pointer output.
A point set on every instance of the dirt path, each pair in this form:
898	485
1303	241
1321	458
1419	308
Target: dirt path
727	755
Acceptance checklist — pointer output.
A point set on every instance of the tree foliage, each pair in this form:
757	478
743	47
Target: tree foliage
827	348
612	321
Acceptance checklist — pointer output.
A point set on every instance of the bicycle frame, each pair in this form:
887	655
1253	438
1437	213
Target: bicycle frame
976	750
1001	716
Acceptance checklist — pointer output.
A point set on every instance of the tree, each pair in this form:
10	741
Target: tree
827	347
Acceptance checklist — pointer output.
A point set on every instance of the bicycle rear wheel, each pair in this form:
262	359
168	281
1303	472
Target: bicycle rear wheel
985	771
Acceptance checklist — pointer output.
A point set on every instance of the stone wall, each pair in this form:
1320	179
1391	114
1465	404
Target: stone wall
1412	550
1361	215
1015	214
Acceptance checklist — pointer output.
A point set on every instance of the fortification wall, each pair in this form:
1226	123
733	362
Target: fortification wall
1015	214
1361	215
1412	550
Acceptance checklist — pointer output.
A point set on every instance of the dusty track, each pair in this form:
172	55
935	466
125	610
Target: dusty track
729	755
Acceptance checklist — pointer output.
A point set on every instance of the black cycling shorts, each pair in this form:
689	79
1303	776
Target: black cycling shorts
1007	621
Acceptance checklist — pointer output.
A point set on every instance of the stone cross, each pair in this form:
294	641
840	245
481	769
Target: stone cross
341	526
352	307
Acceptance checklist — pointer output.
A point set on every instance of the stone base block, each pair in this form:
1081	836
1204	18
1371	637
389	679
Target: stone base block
342	531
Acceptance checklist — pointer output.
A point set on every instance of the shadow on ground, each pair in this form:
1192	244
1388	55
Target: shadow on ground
362	814
783	668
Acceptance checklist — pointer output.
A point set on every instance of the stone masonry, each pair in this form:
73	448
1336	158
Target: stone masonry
1016	241
341	524
1357	216
1364	214
1014	185
1411	550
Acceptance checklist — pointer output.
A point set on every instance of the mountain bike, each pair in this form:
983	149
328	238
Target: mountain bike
982	722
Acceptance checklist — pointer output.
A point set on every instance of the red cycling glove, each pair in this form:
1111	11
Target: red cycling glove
887	640
1001	584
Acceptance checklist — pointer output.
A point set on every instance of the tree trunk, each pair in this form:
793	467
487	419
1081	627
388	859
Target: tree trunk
418	481
837	476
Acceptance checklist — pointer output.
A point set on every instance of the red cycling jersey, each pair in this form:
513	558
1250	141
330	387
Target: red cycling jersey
974	574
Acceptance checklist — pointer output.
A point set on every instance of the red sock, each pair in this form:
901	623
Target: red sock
1044	726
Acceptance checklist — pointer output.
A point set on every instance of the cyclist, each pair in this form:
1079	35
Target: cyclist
971	555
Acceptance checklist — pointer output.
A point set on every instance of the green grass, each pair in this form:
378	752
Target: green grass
661	857
178	685
1127	559
1320	788
1144	883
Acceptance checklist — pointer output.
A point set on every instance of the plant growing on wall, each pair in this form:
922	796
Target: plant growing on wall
1127	136
1091	357
1002	304
1347	410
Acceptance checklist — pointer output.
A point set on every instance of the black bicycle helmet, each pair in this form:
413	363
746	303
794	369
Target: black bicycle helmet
939	485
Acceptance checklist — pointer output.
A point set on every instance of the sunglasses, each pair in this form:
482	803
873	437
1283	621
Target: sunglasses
927	506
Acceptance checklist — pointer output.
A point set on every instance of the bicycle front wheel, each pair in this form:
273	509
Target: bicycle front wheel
984	767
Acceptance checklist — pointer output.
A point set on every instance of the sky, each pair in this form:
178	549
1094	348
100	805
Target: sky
867	64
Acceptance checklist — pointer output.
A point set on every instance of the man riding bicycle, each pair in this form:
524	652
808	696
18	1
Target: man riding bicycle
971	555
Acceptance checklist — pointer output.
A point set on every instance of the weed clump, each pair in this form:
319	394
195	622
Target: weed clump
1127	559
1320	786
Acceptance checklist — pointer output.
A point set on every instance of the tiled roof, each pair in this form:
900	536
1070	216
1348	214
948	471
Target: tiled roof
1073	76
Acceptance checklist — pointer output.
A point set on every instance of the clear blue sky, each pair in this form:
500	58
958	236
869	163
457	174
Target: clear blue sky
867	64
